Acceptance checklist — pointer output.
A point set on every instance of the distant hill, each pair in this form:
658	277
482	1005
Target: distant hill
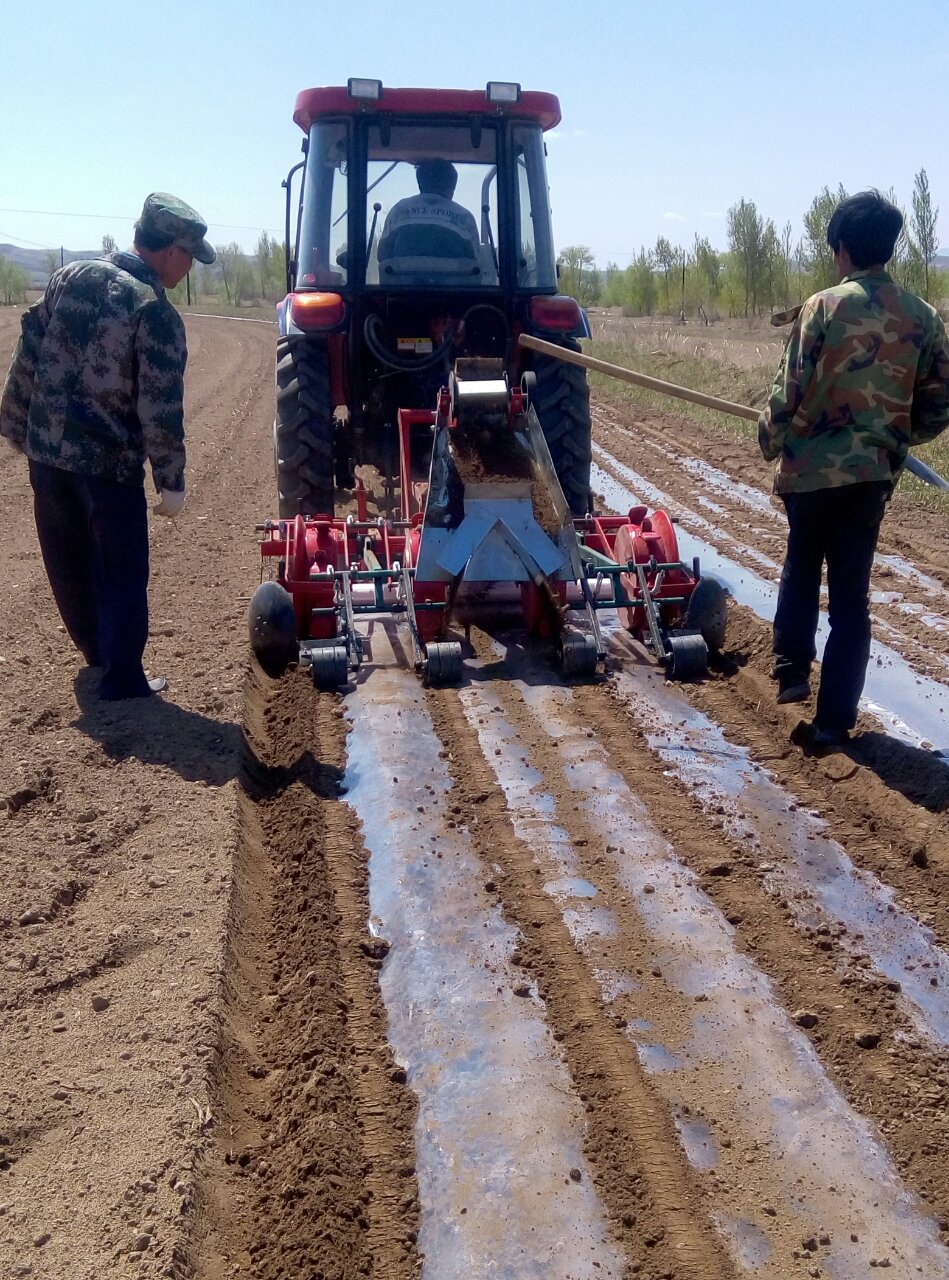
34	261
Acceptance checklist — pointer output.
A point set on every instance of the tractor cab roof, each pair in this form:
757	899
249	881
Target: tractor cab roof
314	104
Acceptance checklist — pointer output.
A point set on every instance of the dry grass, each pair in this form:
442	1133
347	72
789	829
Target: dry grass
663	351
704	372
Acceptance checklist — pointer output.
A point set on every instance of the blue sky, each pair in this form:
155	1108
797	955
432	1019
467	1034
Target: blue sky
672	110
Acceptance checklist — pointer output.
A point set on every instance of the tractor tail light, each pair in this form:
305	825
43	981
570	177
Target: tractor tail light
316	310
558	314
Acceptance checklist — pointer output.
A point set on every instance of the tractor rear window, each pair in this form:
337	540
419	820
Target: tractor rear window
534	243
431	216
323	257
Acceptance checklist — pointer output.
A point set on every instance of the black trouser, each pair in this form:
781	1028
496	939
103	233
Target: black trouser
840	526
94	537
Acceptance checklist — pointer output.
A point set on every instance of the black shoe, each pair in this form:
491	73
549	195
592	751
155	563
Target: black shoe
810	734
799	692
158	684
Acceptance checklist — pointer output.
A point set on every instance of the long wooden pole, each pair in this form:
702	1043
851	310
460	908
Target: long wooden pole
686	393
638	379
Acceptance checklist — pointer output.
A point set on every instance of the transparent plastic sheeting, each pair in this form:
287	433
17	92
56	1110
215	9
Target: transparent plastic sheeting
499	1126
818	1158
909	705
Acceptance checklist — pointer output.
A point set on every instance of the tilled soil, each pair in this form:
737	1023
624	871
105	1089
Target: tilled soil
220	912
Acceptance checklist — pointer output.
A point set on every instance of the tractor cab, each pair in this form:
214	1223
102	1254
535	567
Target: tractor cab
418	233
365	159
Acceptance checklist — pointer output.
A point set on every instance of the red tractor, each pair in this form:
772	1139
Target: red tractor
423	262
389	283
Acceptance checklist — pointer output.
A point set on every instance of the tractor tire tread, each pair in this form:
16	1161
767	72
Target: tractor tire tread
303	428
562	402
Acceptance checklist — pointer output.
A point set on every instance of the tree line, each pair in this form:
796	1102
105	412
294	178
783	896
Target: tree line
236	277
762	270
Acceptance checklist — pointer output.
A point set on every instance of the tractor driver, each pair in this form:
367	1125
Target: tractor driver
431	224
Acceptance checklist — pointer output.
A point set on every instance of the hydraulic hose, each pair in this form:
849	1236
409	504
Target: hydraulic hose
374	333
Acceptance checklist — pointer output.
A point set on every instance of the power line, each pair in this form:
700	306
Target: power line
124	217
19	239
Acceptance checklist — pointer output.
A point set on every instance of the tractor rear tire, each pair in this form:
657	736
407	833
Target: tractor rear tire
303	429
562	401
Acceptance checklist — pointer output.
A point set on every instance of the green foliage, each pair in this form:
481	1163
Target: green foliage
818	258
763	269
237	273
666	258
578	275
708	270
270	267
14	283
644	293
633	289
923	243
750	241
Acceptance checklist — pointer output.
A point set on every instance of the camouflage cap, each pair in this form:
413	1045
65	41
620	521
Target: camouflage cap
166	215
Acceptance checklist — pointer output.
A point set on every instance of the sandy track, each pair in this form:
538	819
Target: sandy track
569	982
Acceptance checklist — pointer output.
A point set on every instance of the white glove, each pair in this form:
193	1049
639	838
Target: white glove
171	503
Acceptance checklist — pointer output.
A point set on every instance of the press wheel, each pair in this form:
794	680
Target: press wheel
578	654
330	664
687	656
443	662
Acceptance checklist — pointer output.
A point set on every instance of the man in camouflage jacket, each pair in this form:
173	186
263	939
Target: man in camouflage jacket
864	376
96	387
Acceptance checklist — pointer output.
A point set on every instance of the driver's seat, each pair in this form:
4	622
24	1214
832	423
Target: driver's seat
428	254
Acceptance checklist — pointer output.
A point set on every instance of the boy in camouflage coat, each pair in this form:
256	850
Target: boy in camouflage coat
864	376
96	387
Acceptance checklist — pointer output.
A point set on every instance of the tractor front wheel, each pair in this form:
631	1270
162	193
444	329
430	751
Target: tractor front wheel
562	401
303	429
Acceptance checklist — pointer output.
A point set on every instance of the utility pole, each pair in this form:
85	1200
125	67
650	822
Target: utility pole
682	304
188	281
62	256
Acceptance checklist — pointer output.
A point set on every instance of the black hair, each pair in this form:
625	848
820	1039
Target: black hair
152	240
436	177
868	226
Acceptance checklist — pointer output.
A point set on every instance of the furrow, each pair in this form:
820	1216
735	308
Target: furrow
310	1166
639	1168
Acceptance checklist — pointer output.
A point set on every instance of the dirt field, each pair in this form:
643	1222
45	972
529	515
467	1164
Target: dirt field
514	979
